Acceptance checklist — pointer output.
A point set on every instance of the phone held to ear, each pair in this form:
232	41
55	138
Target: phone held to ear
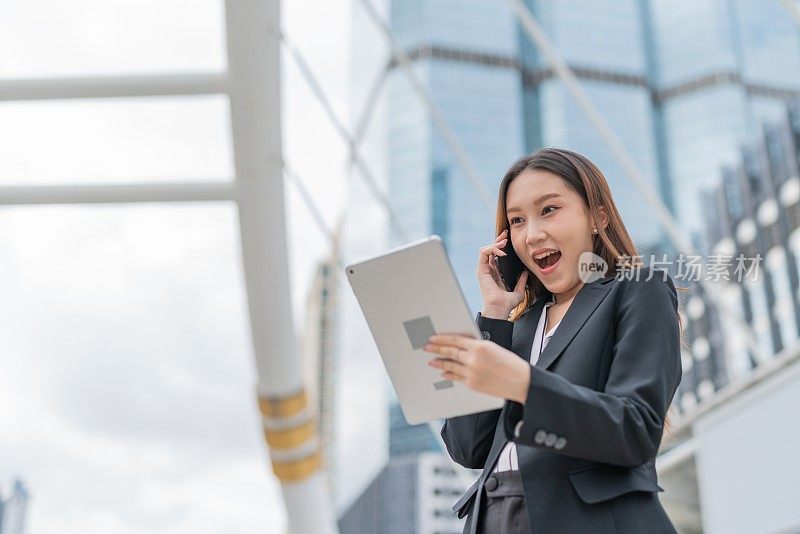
510	266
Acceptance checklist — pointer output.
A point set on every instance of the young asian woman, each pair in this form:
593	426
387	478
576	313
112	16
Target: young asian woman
588	369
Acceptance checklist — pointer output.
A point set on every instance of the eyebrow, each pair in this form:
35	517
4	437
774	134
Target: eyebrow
538	201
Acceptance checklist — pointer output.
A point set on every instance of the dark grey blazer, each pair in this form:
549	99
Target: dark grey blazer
593	420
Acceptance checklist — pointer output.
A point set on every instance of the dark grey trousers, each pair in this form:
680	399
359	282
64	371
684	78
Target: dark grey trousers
503	508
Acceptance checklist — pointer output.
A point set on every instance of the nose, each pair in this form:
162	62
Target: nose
535	234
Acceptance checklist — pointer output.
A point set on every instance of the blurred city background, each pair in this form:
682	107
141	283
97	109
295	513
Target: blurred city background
181	183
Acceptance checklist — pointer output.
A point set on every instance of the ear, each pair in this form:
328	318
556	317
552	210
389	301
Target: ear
602	216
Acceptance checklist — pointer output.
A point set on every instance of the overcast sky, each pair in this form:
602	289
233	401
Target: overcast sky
126	378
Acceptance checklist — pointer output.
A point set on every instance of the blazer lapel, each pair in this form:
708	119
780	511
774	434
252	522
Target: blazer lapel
525	328
586	301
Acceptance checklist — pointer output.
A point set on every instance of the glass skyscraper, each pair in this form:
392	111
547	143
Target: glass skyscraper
683	85
465	52
686	85
722	69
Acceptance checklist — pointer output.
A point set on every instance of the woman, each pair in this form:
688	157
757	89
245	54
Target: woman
588	367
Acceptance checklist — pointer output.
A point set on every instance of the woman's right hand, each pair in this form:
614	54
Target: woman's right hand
497	302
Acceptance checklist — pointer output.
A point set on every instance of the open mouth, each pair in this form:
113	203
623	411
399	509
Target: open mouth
548	261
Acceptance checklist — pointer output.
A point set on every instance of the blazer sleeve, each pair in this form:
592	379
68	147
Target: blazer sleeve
468	438
623	424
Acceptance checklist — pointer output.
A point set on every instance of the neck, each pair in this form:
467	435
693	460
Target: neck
566	296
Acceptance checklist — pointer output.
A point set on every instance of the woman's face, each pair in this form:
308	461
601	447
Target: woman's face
545	215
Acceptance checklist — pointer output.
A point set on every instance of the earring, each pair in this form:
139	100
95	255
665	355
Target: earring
595	229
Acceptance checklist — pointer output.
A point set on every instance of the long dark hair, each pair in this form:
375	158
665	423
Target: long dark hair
613	243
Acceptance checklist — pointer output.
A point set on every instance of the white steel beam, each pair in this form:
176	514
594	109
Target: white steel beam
117	193
288	417
112	87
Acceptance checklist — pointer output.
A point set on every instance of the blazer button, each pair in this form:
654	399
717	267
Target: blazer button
550	440
486	335
491	483
540	436
517	428
560	443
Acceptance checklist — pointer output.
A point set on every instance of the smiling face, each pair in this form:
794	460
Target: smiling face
544	214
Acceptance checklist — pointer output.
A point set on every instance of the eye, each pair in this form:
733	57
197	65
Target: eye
543	209
512	220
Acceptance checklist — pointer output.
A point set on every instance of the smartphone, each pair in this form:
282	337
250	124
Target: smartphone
509	266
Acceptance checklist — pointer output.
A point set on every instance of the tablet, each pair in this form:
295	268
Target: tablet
407	295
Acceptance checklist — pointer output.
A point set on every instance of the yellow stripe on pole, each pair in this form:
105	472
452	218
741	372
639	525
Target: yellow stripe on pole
285	406
298	469
289	438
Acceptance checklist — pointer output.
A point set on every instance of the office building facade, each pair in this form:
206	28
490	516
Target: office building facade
682	84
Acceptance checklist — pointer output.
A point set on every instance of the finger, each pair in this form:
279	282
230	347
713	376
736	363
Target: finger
495	272
486	252
448	366
489	259
497	245
449	375
497	251
493	265
500	241
461	341
446	352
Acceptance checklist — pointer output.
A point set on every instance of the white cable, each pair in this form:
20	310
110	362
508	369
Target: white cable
338	124
366	113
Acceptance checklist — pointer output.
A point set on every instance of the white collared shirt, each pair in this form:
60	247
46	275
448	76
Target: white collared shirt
507	461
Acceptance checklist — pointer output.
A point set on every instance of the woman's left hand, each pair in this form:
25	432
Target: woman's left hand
482	365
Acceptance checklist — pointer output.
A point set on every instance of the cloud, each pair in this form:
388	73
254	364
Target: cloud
132	387
125	361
